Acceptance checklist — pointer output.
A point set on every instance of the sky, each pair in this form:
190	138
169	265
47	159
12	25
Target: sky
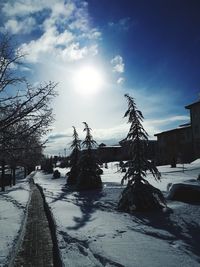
99	50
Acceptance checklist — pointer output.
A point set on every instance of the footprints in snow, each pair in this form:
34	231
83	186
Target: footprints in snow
84	249
14	202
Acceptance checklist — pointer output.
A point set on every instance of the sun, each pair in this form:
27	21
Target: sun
88	80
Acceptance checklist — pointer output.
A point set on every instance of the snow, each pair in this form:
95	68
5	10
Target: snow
13	203
91	232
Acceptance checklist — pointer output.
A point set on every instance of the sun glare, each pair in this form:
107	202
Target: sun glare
88	80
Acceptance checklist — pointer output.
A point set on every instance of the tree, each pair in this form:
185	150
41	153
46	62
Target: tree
74	157
21	148
25	112
27	103
139	194
47	165
88	177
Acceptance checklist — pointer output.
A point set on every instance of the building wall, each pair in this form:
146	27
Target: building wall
195	121
108	154
175	145
122	152
181	143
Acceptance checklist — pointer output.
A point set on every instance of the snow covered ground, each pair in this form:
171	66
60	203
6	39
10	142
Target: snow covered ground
92	233
13	203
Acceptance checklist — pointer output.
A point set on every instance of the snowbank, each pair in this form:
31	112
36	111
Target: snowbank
13	203
188	191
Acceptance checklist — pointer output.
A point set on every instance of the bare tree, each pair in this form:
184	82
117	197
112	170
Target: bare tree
25	112
21	146
27	103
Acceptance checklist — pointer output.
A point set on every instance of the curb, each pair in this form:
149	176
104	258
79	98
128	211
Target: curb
52	226
20	237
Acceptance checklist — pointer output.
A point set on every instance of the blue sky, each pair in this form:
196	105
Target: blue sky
149	49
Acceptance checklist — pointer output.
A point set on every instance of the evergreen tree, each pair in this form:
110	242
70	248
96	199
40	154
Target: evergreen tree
47	165
88	177
139	194
76	147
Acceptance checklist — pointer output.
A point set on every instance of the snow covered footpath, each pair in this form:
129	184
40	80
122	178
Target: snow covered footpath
92	233
13	203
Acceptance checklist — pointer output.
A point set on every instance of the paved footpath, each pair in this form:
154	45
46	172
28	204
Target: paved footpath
37	248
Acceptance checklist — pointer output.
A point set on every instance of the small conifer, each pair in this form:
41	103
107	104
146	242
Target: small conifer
139	194
88	177
74	157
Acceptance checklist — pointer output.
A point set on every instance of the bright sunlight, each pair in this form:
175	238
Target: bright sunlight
88	80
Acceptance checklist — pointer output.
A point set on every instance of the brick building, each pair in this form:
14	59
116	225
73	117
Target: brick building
194	109
122	151
183	143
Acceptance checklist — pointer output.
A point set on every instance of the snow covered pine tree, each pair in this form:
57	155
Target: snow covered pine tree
74	157
88	177
139	195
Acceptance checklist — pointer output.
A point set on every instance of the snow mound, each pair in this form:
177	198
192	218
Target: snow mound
188	191
196	162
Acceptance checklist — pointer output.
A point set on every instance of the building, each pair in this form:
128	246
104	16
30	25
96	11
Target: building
194	109
183	143
111	153
121	152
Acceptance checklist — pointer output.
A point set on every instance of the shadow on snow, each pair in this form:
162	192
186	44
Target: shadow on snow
87	201
178	229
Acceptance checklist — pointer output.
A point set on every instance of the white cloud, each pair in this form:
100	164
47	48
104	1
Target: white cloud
45	44
60	15
48	46
170	119
93	34
118	64
152	126
66	30
24	26
25	7
74	52
56	136
120	80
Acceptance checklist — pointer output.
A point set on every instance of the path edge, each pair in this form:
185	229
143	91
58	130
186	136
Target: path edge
52	226
20	237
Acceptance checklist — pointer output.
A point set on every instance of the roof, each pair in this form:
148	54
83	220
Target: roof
102	145
193	104
185	124
174	130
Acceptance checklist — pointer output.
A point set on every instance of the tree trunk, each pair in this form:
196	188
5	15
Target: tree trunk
14	175
3	175
25	172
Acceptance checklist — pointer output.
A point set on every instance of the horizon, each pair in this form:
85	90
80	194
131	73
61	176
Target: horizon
97	51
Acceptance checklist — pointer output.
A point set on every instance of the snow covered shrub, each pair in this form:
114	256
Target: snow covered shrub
123	169
88	167
56	174
185	192
99	171
173	163
139	194
74	157
47	165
